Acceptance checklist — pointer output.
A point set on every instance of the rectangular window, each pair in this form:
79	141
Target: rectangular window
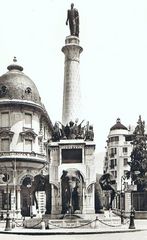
28	120
28	145
5	145
5	202
5	119
114	139
113	151
128	138
115	174
125	161
125	149
111	163
45	137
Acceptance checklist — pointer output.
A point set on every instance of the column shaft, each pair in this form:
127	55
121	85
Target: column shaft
71	94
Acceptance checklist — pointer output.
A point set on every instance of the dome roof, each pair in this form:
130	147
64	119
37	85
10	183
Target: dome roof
16	85
118	125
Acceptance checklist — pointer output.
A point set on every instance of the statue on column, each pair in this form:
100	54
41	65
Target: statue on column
73	19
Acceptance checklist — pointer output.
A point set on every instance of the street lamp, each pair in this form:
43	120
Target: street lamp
7	227
121	207
121	198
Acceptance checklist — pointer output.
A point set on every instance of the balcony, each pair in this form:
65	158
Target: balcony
24	159
112	155
125	154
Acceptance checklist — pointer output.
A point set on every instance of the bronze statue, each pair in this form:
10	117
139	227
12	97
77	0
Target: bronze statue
72	130
73	19
57	133
106	182
72	185
89	134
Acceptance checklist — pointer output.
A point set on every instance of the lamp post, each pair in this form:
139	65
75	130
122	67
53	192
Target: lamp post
121	210
14	190
121	199
8	226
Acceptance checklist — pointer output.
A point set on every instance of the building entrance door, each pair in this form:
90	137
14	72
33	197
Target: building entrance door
26	197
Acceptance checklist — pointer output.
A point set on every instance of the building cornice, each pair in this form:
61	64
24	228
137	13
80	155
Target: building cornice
17	102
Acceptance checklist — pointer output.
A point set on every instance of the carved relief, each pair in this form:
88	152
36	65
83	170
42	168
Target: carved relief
5	132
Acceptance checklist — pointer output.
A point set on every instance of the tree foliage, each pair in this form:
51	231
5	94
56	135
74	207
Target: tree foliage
138	164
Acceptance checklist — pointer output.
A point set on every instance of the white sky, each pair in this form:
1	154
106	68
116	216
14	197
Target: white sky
113	67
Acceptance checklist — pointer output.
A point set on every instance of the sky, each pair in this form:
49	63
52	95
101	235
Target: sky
113	64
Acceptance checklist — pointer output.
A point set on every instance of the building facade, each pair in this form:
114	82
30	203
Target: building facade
25	129
118	151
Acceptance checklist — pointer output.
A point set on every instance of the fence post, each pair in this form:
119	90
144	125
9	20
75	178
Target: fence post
96	222
122	216
13	223
42	225
132	216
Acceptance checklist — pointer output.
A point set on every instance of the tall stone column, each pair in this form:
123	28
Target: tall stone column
71	95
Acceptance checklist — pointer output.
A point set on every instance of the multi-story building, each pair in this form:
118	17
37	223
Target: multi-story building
118	151
25	128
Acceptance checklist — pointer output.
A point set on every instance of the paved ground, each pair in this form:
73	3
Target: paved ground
98	230
114	236
140	225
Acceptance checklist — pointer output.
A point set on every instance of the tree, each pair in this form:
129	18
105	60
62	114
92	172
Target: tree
138	164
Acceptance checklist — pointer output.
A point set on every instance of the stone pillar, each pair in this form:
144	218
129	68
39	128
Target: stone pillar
1	199
18	202
13	202
84	200
41	198
71	94
54	207
127	201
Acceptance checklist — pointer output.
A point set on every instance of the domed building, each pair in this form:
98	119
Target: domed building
25	129
118	151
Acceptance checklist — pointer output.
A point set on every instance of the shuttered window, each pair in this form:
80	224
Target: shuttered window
28	120
5	119
28	145
5	145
